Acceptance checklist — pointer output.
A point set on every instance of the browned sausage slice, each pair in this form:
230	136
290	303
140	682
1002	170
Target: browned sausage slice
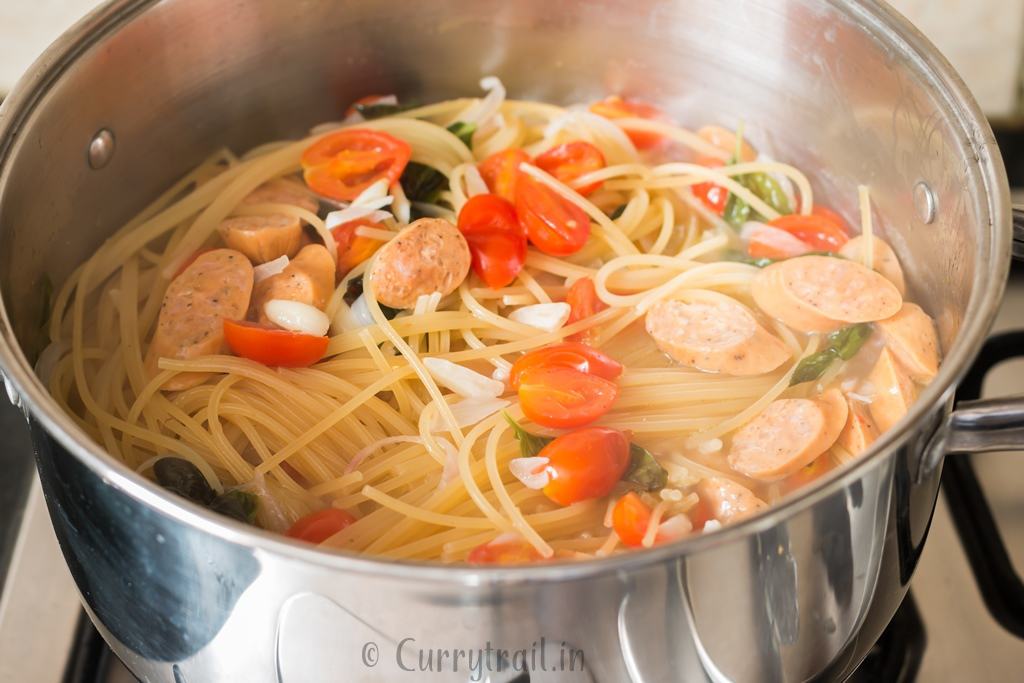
859	431
715	335
821	293
911	336
892	391
430	255
262	238
788	435
883	260
214	288
283	191
728	500
308	278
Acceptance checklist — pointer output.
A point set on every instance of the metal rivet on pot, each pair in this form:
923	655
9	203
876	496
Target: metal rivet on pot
101	149
924	200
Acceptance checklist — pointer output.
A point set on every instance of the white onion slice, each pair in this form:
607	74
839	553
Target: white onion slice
474	182
351	317
781	240
469	411
400	205
270	268
351	213
547	317
712	525
451	463
463	381
531	471
483	109
710	446
365	451
297	317
501	373
675	527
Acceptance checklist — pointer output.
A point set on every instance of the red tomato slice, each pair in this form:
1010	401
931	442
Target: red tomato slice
563	397
318	526
615	107
585	464
271	346
352	248
553	224
497	242
765	241
570	161
583	302
575	355
504	552
713	196
501	172
630	519
820	232
340	165
366	101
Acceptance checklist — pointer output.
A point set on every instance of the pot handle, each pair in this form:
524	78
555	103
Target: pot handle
981	425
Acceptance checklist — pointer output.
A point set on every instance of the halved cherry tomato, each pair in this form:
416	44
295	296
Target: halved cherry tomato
585	464
318	526
497	243
575	355
825	212
554	225
504	552
340	165
583	303
615	107
353	249
713	196
189	261
700	514
765	241
366	101
630	519
271	346
569	161
820	231
501	172
564	397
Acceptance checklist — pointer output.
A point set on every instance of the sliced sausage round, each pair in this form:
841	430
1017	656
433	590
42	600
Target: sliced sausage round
822	293
262	238
308	278
788	435
715	335
911	336
214	288
283	191
430	255
883	260
892	391
859	432
727	500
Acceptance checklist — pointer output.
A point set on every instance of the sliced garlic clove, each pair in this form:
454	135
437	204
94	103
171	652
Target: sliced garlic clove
547	317
531	471
297	317
463	381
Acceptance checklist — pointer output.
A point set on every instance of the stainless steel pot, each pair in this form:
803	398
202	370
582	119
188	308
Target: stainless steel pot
140	90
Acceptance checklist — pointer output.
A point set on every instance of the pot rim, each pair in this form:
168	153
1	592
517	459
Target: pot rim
883	23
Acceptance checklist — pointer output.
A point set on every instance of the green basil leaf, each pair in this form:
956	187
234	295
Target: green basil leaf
812	367
463	131
237	505
354	290
737	211
848	341
768	189
182	477
377	111
529	444
643	471
421	183
619	210
842	344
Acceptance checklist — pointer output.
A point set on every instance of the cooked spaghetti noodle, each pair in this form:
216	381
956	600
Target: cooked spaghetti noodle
371	428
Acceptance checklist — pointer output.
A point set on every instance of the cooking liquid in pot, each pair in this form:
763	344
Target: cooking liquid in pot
490	330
